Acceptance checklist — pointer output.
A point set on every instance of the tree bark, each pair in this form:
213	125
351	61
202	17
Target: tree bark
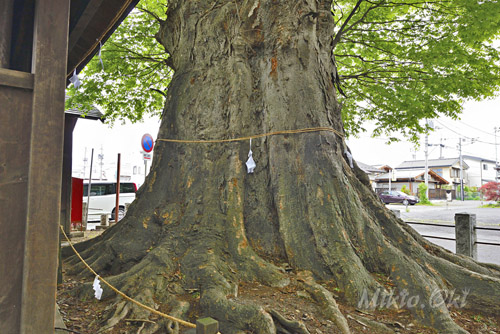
202	222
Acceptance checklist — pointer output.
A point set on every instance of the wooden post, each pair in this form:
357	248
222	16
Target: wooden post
117	207
38	296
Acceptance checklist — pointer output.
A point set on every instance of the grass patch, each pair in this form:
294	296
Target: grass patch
491	205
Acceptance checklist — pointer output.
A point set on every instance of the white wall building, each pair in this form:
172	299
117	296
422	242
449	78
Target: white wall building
480	170
448	169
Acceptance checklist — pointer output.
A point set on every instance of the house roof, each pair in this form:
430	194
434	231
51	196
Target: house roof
368	168
470	157
92	22
412	174
94	114
432	163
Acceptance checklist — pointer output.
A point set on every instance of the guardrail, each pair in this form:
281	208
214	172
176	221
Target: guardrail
465	234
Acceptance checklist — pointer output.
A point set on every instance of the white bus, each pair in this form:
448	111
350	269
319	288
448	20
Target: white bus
103	198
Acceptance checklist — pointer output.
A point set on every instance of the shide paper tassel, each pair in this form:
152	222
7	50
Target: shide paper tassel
74	80
250	162
99	55
97	288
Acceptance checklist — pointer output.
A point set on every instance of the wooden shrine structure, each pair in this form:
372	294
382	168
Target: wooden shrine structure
42	42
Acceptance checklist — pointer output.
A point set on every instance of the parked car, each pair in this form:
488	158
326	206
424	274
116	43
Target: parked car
397	197
103	198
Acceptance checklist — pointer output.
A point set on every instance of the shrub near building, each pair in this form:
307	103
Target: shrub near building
491	192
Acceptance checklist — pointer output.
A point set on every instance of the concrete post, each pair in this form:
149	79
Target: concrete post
105	220
84	216
207	326
465	233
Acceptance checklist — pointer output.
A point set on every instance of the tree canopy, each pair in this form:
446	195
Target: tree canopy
398	62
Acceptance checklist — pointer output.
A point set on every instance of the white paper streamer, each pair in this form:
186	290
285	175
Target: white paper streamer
74	80
250	162
349	157
99	55
97	288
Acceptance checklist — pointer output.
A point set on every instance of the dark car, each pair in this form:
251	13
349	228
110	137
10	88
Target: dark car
397	197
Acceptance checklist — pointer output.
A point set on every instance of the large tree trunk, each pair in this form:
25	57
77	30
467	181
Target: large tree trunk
201	221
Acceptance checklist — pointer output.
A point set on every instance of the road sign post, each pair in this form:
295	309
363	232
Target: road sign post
147	144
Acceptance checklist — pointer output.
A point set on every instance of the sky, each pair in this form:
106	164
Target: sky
477	122
120	138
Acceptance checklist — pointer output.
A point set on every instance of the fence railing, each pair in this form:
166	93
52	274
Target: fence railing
453	226
465	234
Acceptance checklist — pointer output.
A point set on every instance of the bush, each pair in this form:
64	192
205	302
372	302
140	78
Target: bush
405	190
422	189
491	191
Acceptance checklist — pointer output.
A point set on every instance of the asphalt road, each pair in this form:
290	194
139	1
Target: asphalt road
444	213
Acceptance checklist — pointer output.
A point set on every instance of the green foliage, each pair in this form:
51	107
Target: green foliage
403	61
405	190
135	74
470	193
422	189
399	62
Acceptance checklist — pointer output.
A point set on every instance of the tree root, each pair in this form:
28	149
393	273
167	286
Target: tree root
370	323
286	326
325	301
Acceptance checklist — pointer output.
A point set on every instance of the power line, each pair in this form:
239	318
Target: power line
463	136
488	133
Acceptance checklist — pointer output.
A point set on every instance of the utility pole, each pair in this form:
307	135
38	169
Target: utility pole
390	179
101	158
426	151
497	166
426	175
441	148
85	162
461	170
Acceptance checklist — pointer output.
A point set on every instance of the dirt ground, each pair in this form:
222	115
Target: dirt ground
82	315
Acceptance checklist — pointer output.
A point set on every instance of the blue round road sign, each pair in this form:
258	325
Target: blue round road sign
147	143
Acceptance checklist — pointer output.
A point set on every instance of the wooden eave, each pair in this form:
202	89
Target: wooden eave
92	22
438	178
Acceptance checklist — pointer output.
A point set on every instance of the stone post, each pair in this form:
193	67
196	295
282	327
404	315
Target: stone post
84	216
207	326
105	219
465	233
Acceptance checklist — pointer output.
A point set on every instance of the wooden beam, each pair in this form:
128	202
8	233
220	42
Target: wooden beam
83	22
16	79
6	8
45	166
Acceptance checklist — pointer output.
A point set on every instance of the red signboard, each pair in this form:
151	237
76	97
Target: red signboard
76	200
